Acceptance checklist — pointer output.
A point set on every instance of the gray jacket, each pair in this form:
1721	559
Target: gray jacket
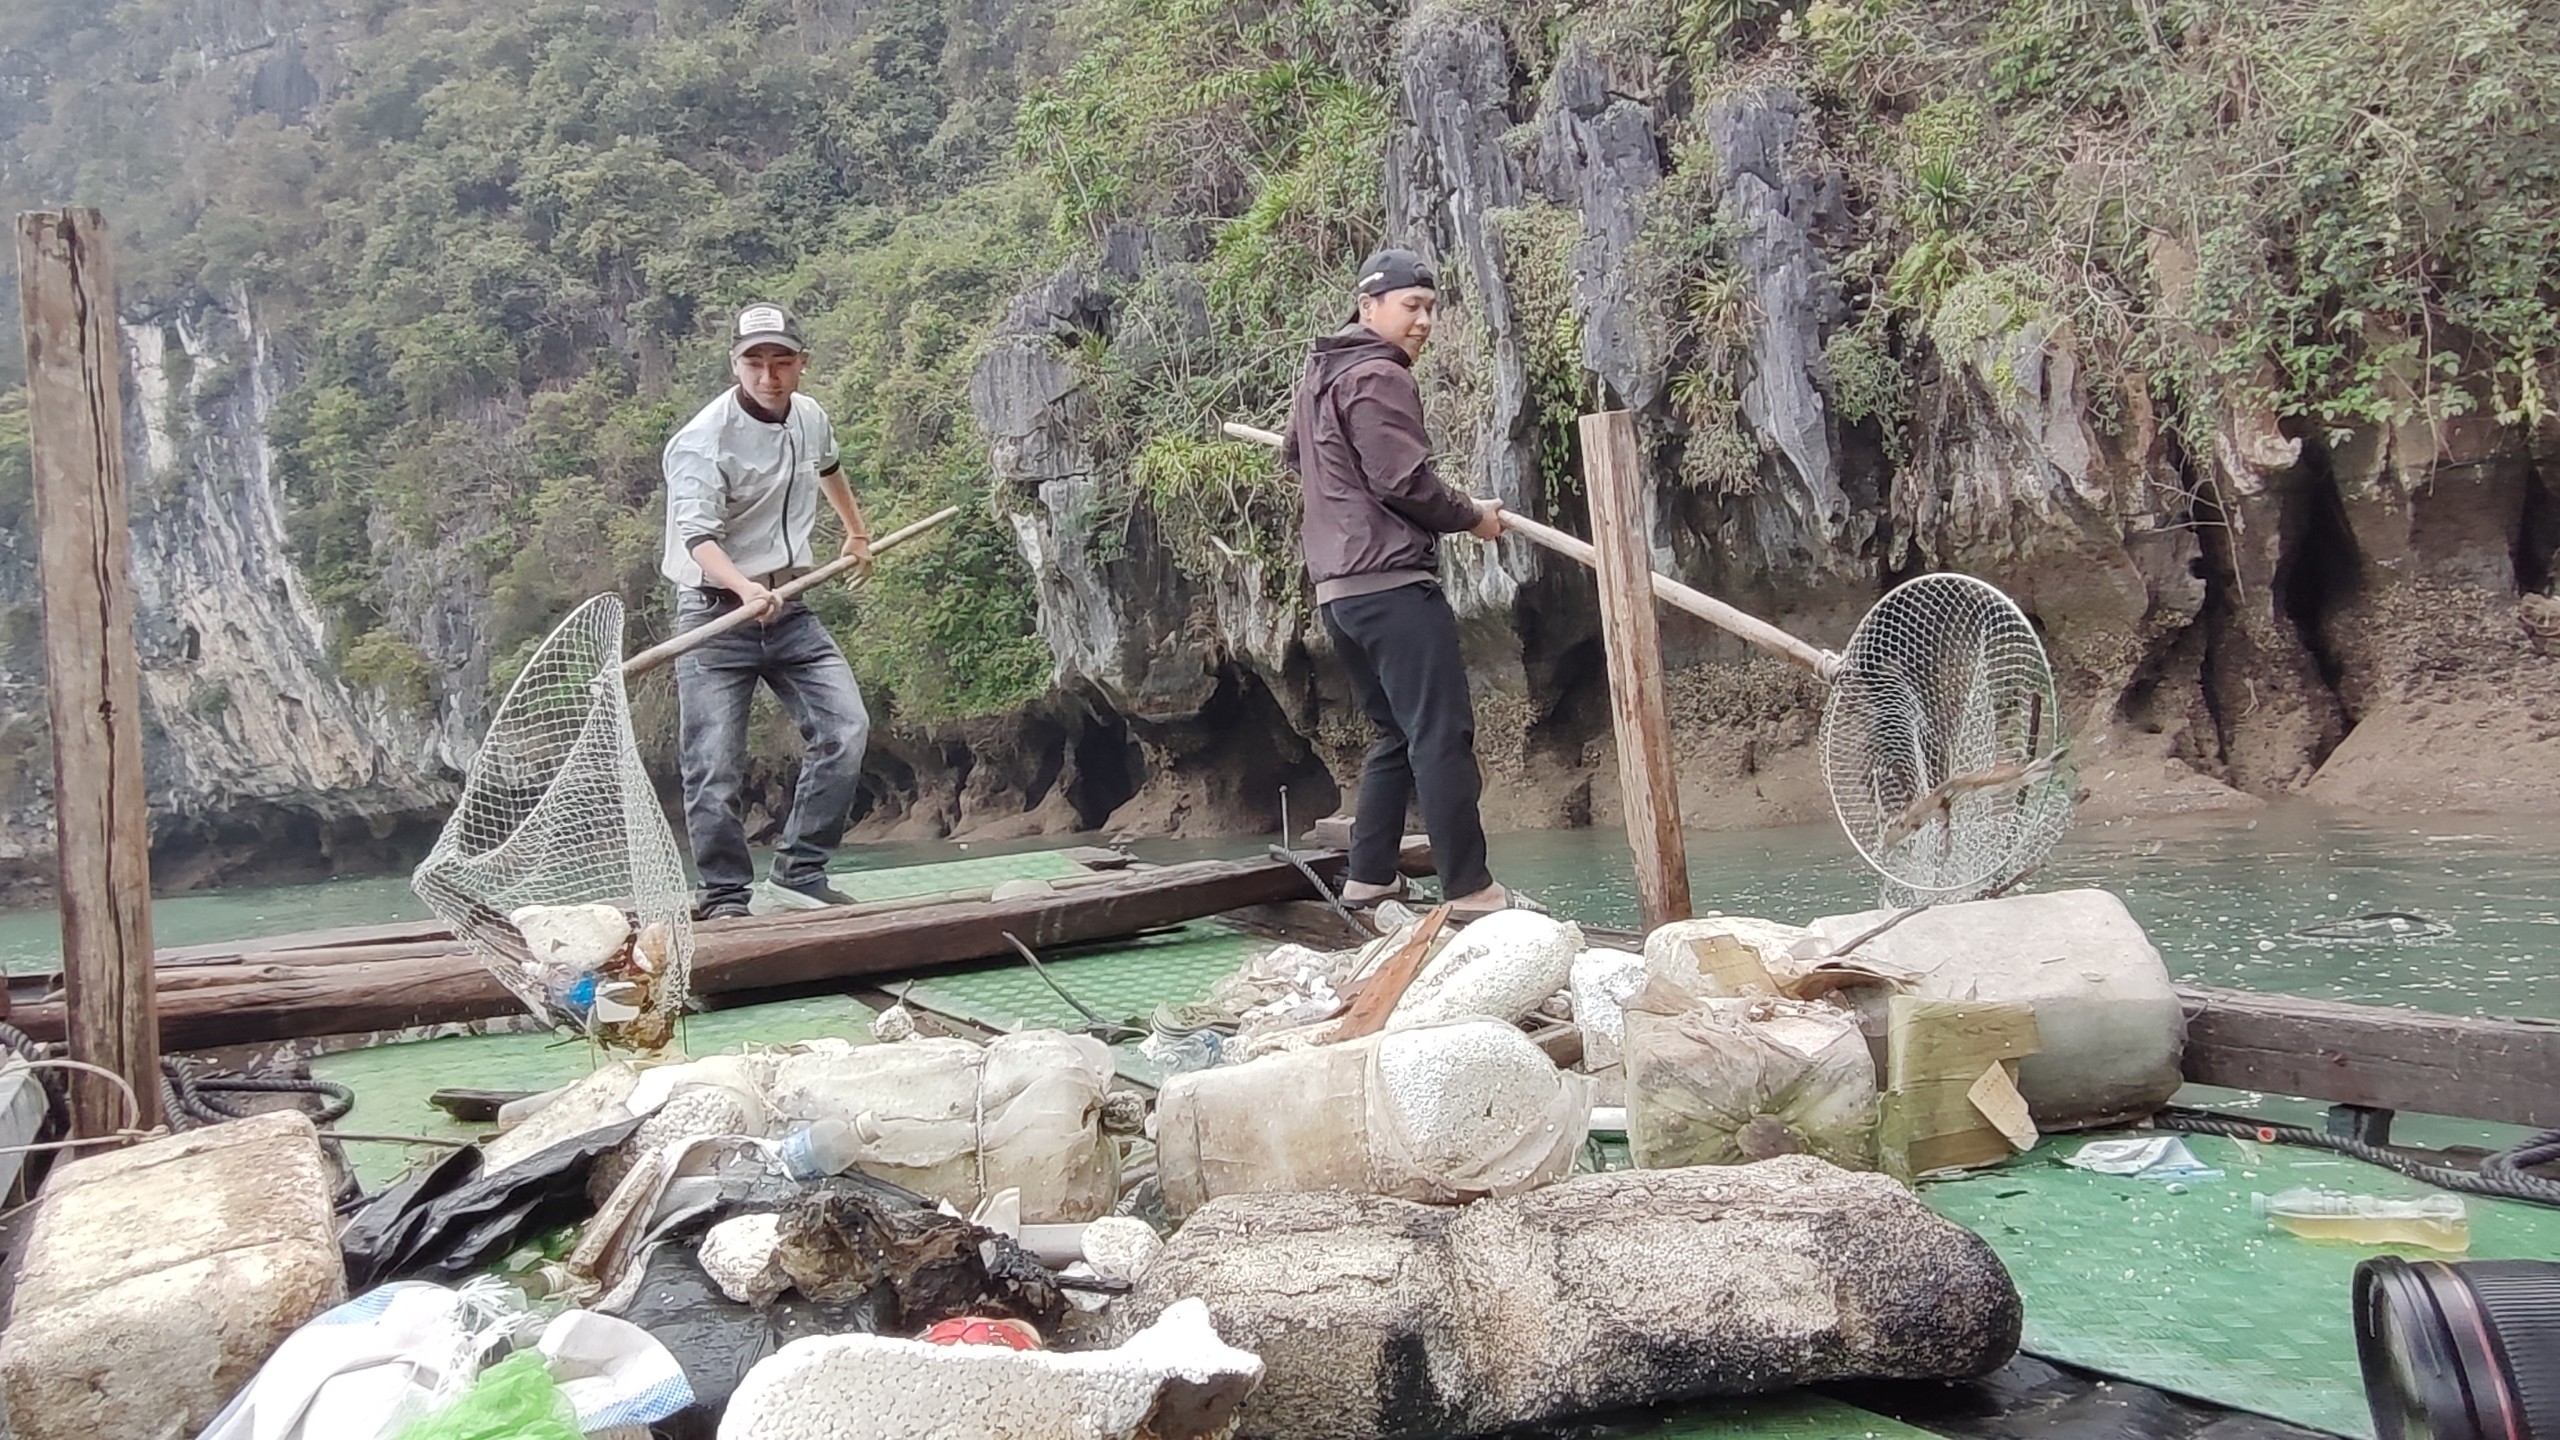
749	484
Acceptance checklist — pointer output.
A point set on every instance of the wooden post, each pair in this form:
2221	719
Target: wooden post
75	395
1621	527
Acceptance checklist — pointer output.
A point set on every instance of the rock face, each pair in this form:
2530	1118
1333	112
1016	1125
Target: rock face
1379	1318
158	1279
259	756
2231	615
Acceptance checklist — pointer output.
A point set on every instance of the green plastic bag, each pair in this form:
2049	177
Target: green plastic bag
515	1399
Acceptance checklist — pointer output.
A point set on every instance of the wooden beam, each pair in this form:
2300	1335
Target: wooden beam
735	961
1648	779
2387	1059
93	690
1334	833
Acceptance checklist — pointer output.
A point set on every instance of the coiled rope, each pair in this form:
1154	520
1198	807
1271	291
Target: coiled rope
2504	1175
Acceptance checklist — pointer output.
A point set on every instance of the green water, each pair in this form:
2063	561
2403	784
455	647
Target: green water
2222	899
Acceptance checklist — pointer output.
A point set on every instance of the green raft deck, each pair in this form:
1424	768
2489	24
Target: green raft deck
2150	1311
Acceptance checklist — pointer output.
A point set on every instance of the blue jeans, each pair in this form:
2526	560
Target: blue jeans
796	656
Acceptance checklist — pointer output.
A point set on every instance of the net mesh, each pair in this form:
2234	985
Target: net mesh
1943	743
557	812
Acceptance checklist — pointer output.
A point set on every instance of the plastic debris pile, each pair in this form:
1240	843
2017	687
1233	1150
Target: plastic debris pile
923	1234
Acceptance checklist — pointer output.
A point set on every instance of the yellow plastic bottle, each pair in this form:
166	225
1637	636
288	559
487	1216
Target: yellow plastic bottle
2437	1222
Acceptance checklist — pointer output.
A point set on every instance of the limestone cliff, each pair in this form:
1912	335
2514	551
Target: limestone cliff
261	760
383	256
2260	616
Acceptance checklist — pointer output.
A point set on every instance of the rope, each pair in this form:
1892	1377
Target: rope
2502	1176
197	1094
2542	1149
186	1100
132	1102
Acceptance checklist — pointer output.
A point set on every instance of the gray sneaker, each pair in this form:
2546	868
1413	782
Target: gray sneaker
811	894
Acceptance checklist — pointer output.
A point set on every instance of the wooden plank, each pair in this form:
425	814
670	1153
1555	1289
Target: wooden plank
733	960
1334	833
93	688
1928	1039
1648	780
394	932
1375	998
415	939
2463	1065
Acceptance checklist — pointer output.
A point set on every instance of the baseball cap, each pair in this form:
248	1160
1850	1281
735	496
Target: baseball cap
1396	270
1393	270
765	324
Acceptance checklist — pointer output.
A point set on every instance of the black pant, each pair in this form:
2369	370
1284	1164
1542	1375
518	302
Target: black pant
1401	647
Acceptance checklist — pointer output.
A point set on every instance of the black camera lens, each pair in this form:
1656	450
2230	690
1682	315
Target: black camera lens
2463	1351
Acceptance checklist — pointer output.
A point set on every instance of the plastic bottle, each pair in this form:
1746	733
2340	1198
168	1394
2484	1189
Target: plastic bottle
2438	1222
818	1150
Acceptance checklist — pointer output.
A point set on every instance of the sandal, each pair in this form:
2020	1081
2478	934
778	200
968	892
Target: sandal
1511	900
1403	888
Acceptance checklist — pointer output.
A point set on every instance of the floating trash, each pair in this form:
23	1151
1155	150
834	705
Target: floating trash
2381	925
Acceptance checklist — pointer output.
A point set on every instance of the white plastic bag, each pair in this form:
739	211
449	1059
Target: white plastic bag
1442	1114
362	1370
952	1121
612	1371
1499	968
1727	1082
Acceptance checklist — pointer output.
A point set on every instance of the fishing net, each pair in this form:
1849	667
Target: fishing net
557	867
1943	743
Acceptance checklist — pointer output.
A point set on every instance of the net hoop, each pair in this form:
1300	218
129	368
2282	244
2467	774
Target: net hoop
1943	743
558	811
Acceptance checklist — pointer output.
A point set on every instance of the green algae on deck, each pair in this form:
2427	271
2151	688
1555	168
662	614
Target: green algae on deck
1123	981
2194	1292
901	881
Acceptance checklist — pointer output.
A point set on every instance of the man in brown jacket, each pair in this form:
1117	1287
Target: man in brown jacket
1374	514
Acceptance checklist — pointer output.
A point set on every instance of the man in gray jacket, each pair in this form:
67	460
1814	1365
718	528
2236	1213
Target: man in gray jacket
1374	514
744	477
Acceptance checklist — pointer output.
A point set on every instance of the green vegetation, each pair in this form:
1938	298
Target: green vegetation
499	253
501	256
2345	211
1252	132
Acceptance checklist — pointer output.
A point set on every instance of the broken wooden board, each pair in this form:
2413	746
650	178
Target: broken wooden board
298	993
1953	1039
1951	1094
2388	1059
1374	997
